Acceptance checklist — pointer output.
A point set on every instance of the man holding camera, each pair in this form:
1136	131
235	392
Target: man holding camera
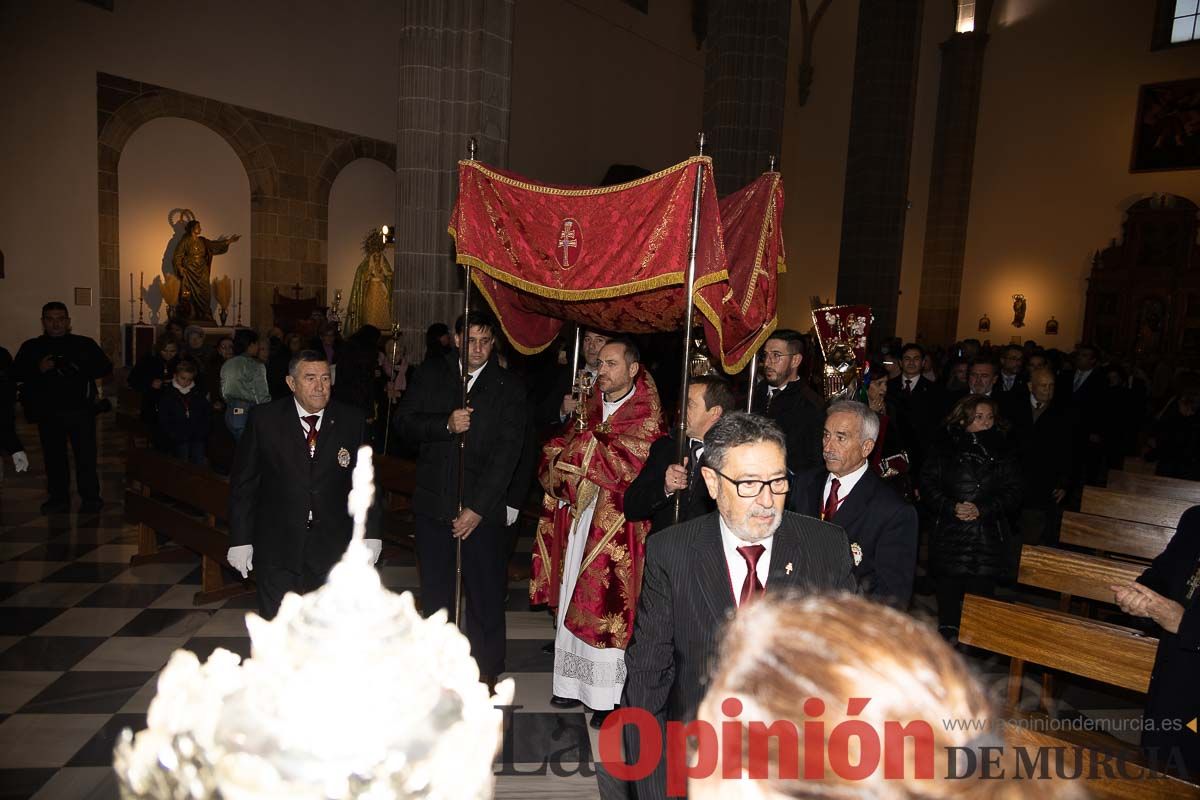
58	372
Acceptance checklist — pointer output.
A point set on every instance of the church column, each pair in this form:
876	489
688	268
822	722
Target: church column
950	178
877	158
455	66
745	77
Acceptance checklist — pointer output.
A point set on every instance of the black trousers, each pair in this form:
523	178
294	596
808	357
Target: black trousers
950	590
485	577
272	583
78	427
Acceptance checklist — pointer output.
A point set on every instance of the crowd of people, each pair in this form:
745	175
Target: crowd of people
651	532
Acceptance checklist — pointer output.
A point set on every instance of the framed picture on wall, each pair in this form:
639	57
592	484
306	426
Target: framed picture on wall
1166	132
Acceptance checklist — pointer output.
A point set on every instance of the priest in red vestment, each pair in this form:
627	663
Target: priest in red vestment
587	559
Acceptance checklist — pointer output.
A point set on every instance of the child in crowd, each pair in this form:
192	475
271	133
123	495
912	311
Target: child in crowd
183	415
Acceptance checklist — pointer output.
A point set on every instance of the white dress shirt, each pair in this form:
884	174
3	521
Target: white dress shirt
609	407
1080	377
473	374
909	383
302	414
845	485
1008	380
737	565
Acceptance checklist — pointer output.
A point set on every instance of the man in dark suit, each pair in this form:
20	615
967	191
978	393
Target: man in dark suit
559	403
783	397
1045	433
652	494
699	572
920	405
291	477
1085	390
881	527
493	427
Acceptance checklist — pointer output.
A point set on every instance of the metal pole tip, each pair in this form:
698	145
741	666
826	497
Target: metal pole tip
471	148
700	141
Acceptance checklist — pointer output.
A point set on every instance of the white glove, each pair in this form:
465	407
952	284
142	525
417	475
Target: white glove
376	547
512	515
20	461
241	558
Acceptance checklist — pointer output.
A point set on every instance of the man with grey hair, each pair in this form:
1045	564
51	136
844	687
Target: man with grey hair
881	527
701	571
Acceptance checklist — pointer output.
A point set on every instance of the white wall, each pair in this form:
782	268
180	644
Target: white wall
216	190
332	64
363	197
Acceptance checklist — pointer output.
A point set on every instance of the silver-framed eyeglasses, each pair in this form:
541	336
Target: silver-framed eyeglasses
753	488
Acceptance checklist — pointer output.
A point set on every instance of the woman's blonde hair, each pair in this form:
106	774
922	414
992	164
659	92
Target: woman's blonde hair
780	654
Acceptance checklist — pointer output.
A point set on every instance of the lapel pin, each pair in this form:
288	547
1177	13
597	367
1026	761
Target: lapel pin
788	569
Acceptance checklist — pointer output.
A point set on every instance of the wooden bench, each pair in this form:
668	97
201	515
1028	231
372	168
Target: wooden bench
1132	507
1154	486
1108	535
1110	654
395	480
158	491
1074	574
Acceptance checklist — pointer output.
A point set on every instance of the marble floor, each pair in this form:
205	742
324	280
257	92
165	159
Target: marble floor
83	636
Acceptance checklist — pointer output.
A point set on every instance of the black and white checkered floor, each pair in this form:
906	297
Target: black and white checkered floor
83	635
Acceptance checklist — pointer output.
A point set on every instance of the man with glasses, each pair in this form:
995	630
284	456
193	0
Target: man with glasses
700	572
783	397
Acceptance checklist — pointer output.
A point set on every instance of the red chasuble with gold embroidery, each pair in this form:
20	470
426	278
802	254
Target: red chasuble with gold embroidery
597	464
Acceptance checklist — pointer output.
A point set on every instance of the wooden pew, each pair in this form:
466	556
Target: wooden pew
158	487
1108	535
1074	574
1154	486
1110	654
1132	507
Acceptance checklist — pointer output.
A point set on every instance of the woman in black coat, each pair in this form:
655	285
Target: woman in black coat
972	488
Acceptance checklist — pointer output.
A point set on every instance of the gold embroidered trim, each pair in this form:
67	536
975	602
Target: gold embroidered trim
609	533
589	192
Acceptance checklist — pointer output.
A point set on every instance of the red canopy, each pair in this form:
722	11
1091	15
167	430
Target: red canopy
615	258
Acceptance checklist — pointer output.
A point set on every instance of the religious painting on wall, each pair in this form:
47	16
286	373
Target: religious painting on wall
1167	128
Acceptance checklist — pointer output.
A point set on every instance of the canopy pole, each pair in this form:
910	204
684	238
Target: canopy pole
575	353
750	385
754	359
464	344
685	373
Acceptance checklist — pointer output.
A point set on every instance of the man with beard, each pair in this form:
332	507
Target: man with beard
587	559
700	572
783	397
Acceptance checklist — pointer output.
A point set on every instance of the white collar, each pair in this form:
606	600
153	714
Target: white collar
183	389
473	374
912	381
1033	401
609	407
730	543
847	483
300	412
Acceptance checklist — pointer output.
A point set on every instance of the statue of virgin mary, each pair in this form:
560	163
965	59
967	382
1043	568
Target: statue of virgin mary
371	295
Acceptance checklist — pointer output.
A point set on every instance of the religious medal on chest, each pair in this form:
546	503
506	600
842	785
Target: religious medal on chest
1193	583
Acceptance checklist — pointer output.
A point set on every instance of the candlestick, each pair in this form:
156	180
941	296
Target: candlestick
131	298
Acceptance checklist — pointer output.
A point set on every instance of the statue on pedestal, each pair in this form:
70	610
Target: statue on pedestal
193	264
371	295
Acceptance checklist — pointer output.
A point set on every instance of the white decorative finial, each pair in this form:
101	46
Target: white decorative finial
362	493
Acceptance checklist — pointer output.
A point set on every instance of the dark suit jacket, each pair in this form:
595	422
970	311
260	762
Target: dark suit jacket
919	416
876	518
686	599
1046	450
645	499
494	441
800	412
274	484
1088	402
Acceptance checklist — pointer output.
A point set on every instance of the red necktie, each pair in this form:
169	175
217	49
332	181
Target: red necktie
831	503
311	436
751	587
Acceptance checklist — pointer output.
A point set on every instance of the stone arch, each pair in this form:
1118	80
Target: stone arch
349	150
290	165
